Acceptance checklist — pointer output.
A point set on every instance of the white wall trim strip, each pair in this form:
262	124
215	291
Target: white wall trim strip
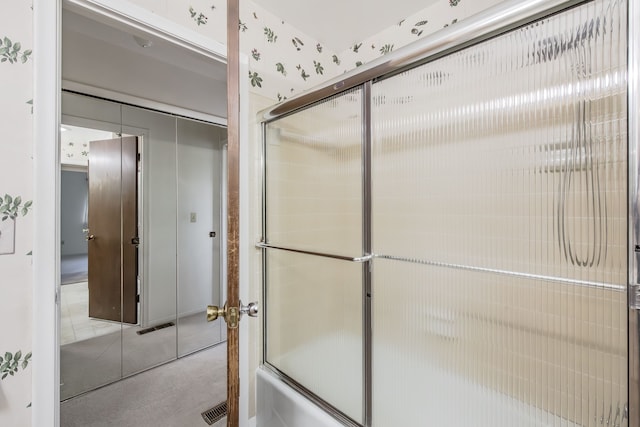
46	119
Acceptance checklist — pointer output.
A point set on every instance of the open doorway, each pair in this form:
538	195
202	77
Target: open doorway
171	101
76	322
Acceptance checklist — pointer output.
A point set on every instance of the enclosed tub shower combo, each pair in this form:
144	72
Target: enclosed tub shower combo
449	233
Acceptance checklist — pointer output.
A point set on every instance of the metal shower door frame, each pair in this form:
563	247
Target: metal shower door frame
633	248
494	21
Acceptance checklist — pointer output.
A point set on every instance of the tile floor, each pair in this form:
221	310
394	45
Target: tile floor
75	324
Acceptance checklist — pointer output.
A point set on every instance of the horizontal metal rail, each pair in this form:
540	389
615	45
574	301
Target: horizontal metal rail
562	280
363	258
498	19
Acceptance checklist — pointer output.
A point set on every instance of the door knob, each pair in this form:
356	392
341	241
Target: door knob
250	309
90	237
213	312
231	315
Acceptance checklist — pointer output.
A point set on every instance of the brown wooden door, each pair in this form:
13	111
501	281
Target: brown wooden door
130	230
112	226
233	208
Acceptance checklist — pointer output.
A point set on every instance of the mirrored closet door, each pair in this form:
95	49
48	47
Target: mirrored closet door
141	236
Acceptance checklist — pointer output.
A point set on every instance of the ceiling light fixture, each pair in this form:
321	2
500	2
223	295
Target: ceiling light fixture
143	42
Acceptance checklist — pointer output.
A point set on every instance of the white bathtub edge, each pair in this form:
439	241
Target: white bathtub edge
278	405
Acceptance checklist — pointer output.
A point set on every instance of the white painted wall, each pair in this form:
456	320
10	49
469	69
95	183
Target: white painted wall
73	203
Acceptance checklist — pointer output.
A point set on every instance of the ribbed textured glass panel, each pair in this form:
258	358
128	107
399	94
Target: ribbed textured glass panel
314	325
314	177
484	349
499	209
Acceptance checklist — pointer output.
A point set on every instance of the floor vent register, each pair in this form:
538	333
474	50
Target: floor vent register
155	328
216	413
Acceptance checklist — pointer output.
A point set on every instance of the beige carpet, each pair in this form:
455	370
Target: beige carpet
91	363
171	395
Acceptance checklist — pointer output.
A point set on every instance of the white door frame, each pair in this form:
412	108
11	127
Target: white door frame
47	117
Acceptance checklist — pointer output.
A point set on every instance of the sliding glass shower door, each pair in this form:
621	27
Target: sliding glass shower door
314	231
499	227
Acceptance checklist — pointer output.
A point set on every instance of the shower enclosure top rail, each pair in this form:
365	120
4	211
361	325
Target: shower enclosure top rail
497	19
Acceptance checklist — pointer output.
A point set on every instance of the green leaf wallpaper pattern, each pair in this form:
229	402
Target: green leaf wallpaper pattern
199	17
303	73
271	76
16	22
12	51
297	43
417	31
75	153
280	69
255	79
271	36
11	363
11	207
387	48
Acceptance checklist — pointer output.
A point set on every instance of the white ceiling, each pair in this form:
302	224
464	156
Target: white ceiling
75	25
338	24
103	59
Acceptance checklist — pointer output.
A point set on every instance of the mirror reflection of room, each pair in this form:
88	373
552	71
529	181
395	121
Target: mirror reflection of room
141	236
76	325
